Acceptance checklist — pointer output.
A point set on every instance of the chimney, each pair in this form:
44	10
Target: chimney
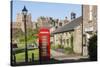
73	15
66	17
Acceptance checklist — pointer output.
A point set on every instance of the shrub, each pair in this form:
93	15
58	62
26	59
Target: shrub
60	46
57	46
69	50
92	48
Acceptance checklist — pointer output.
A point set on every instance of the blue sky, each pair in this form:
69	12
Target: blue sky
55	10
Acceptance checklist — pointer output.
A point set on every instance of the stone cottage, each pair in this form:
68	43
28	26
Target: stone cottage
70	35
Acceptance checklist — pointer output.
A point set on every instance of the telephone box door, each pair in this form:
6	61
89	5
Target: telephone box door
44	45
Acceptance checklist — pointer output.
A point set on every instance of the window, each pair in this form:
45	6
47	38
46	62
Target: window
60	24
90	12
68	41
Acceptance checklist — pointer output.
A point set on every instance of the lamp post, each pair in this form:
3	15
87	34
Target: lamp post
24	12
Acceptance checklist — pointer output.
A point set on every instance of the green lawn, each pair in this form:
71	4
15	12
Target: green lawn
20	57
21	45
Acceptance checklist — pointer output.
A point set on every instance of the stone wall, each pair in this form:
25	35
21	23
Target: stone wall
89	18
89	25
77	40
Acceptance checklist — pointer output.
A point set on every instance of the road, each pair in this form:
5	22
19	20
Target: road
61	56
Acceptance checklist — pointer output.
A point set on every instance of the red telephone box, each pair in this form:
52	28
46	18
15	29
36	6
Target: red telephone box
44	45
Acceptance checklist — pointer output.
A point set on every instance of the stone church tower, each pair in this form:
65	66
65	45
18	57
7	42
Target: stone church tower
19	21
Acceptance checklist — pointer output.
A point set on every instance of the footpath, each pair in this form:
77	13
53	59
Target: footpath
62	56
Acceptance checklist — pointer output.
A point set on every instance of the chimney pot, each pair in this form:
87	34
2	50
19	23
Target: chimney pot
73	15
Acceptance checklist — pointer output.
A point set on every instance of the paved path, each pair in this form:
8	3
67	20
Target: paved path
61	56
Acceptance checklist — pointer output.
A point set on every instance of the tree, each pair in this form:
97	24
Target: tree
93	48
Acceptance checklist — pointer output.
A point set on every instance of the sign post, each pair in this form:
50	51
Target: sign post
44	45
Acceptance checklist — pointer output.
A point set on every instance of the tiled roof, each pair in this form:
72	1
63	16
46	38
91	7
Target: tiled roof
70	26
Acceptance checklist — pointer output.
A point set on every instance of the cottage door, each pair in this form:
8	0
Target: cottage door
85	46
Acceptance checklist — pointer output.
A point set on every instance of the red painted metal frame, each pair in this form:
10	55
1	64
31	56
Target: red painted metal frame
44	32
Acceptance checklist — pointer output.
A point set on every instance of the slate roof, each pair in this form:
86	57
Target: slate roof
70	26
